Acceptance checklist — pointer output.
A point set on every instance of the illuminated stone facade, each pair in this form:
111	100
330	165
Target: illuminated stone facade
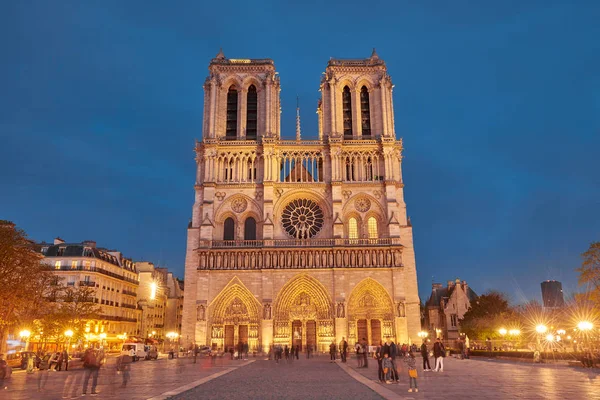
299	241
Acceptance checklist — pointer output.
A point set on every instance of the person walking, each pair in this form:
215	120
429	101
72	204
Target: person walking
245	350
5	373
59	362
393	354
66	359
365	349
411	363
379	356
92	362
343	349
124	367
425	355
297	352
286	352
439	352
387	367
359	357
332	351
43	371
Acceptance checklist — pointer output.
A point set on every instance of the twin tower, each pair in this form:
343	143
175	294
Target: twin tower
299	242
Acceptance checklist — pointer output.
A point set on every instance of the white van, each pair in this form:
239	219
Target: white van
135	350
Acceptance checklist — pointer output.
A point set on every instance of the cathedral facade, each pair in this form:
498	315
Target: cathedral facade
299	242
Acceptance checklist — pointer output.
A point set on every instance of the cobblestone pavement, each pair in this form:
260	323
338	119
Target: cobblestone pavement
483	379
148	379
315	378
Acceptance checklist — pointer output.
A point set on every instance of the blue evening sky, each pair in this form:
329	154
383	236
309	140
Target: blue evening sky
498	103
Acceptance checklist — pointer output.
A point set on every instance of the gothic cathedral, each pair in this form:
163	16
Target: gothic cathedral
299	242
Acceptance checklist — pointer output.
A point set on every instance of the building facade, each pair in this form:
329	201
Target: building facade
113	277
446	307
174	305
152	299
552	294
299	242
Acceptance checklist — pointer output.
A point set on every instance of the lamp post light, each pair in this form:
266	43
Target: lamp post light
25	334
584	328
68	335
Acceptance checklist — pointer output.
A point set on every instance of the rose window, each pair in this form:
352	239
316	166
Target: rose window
302	218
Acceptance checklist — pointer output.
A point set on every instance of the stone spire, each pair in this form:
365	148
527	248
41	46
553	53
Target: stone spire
220	55
297	119
374	55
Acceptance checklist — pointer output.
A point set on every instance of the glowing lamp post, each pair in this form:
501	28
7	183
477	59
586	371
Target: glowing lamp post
25	334
423	335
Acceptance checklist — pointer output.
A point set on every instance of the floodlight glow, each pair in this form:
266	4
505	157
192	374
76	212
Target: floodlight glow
550	337
69	333
25	333
152	290
541	328
585	326
502	331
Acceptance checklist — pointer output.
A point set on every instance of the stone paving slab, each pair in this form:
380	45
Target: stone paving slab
483	379
148	379
315	378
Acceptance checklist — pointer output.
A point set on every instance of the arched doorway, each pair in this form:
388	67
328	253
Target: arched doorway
303	315
370	313
234	318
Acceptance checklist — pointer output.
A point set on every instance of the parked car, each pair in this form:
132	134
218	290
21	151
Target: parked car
19	359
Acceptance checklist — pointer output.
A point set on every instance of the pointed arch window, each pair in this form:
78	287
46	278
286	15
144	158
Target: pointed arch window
229	229
250	229
369	169
347	112
352	228
372	228
232	107
251	113
365	114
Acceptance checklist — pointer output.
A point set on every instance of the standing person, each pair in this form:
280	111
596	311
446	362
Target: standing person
59	362
387	367
124	368
412	370
286	352
365	353
43	371
439	352
393	355
379	356
245	350
297	351
359	357
66	359
5	373
308	350
91	366
425	355
332	352
343	349
461	349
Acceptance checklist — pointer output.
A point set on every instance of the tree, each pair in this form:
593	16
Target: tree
589	273
23	278
486	315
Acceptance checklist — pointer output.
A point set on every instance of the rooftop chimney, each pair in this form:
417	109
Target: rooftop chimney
90	243
58	241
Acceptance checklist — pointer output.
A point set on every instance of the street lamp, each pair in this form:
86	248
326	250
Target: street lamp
502	331
25	335
541	329
422	335
585	326
550	337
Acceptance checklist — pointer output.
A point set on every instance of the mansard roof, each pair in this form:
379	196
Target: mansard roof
438	293
82	250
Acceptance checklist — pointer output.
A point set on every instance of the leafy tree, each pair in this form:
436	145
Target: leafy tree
23	278
486	315
589	273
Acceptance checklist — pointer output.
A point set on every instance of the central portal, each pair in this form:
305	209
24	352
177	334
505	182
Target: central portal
297	334
229	337
243	333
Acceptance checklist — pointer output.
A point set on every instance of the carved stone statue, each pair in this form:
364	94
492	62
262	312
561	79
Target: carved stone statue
341	312
267	311
200	313
401	310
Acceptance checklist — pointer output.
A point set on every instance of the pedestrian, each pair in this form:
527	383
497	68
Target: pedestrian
92	361
297	351
425	355
30	363
308	350
387	367
43	371
5	373
359	356
343	349
245	350
66	359
379	356
461	349
332	352
286	352
124	367
365	353
439	352
59	362
53	362
393	355
231	351
411	363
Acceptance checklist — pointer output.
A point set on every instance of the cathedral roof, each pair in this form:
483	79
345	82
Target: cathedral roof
439	292
357	62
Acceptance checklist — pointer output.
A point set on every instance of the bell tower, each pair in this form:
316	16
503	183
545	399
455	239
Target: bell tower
241	99
356	100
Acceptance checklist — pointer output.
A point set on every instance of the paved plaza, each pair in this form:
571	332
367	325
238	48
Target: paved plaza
315	378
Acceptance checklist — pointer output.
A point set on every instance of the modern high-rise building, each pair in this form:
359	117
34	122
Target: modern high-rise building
552	294
299	242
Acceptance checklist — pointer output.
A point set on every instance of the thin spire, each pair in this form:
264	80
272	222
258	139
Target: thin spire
297	118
